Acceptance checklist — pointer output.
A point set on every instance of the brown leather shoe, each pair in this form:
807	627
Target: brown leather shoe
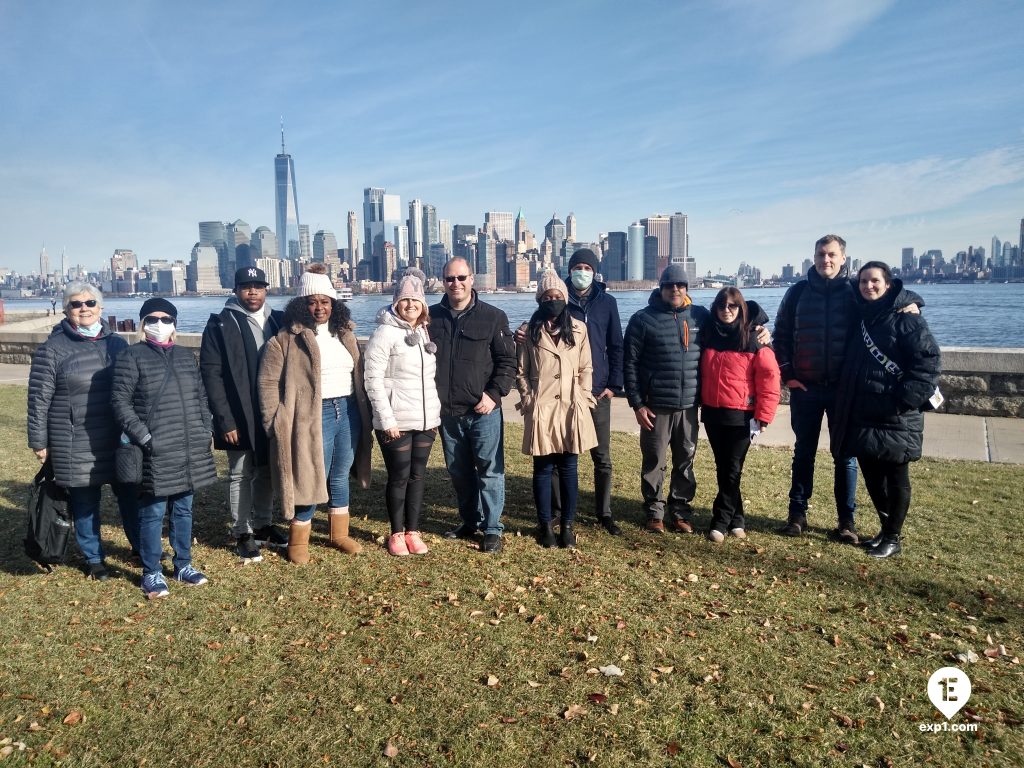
655	526
681	526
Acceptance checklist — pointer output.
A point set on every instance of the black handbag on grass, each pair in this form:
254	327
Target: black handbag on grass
49	520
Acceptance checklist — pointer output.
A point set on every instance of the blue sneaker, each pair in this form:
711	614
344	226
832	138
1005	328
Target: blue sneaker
153	585
190	575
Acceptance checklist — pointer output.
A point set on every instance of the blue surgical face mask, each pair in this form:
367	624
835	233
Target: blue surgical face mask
90	331
581	279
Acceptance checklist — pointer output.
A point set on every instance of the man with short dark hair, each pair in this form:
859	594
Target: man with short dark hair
229	360
476	366
590	303
812	328
662	379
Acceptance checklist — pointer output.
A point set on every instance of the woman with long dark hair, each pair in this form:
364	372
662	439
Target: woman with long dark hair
739	395
554	382
890	374
314	406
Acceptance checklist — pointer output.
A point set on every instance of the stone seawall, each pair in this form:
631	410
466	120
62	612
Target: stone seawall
976	381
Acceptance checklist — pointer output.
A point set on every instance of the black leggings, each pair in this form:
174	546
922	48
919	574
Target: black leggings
888	486
406	460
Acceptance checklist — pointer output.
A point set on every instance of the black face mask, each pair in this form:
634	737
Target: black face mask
552	309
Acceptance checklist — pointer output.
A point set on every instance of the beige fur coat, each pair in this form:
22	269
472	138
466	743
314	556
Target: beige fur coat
289	389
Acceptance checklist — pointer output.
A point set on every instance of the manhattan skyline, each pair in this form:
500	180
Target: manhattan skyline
894	124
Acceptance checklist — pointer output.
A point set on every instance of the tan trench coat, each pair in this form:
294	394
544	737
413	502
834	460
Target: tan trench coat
554	383
291	408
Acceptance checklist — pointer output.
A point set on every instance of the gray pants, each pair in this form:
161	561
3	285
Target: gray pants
250	493
677	429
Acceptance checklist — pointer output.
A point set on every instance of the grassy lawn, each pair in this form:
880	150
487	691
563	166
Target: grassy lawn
771	651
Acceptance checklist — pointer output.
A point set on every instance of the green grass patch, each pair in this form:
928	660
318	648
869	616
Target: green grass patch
771	651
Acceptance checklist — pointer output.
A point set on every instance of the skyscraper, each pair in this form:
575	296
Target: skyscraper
44	266
554	230
570	227
325	247
417	246
907	260
635	258
381	214
501	223
263	244
237	233
657	226
430	230
353	239
613	266
444	236
287	204
214	235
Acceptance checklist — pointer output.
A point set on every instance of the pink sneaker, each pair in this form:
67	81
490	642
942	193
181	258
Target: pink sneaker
396	544
415	544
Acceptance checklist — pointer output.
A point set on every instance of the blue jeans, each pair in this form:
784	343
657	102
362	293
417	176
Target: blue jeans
806	410
475	456
568	485
85	508
341	425
151	524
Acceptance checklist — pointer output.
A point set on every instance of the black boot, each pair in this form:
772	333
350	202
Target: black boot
794	526
609	525
567	537
875	540
889	546
546	535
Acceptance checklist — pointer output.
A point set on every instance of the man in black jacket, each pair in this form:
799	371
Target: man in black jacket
476	366
229	360
662	380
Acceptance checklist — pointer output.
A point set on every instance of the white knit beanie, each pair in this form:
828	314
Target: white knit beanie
549	280
313	283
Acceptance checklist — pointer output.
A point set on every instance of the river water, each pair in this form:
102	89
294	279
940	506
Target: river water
979	315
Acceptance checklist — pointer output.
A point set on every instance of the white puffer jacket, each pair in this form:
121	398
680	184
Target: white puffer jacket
400	375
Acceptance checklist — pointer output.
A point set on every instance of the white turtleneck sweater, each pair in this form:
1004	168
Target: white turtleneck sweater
336	365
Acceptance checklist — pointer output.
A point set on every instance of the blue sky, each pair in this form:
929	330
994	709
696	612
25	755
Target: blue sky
770	123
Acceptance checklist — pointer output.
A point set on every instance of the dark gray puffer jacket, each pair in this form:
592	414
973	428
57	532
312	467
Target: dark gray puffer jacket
662	355
69	410
179	422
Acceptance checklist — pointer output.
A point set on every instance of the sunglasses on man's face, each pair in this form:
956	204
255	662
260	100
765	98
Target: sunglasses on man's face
678	286
452	278
80	304
153	320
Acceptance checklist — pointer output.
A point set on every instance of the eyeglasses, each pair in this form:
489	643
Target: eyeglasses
674	285
730	307
452	278
80	304
153	320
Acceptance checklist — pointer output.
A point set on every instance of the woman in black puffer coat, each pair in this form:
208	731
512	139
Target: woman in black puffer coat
890	373
70	423
160	404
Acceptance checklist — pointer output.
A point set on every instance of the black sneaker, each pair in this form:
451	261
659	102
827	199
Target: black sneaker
462	532
793	527
491	544
269	536
96	571
609	525
248	550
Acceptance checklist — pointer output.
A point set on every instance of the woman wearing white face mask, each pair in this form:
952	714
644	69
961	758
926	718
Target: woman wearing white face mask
160	404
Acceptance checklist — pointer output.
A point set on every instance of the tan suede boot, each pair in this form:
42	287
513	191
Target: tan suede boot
298	542
338	518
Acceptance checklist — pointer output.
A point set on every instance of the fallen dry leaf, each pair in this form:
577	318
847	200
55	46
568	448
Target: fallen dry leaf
390	750
597	698
613	709
574	711
533	683
610	671
491	681
733	762
74	717
665	670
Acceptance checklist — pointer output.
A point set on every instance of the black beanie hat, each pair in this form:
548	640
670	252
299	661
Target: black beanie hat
584	256
158	305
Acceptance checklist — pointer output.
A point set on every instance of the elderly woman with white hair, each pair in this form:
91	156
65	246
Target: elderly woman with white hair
70	420
313	406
